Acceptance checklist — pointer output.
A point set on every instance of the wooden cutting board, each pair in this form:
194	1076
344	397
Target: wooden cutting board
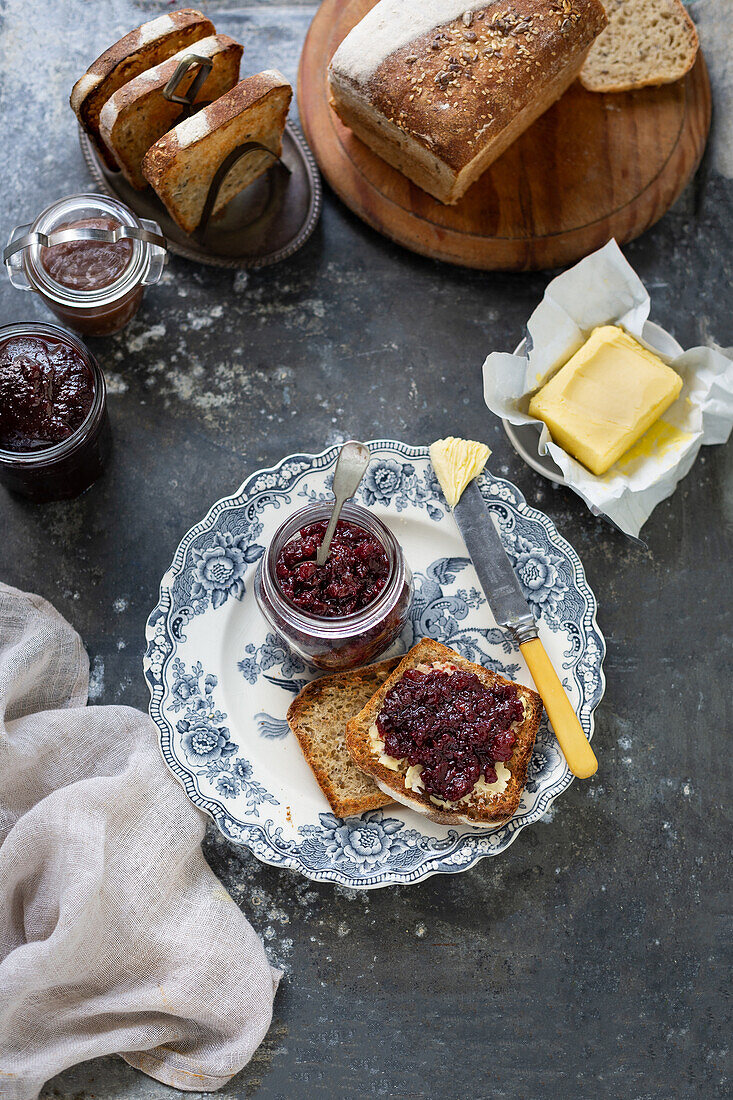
592	167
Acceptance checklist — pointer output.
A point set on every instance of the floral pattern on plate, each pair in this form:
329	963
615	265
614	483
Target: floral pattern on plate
221	681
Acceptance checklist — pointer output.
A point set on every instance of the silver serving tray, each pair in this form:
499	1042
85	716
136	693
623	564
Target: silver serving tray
266	223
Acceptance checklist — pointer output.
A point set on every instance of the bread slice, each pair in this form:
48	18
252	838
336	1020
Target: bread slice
150	44
138	113
318	718
181	165
477	808
646	42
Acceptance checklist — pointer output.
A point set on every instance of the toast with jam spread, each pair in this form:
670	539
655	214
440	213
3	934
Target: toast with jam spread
445	738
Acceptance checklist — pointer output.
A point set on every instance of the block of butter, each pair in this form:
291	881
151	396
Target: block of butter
603	400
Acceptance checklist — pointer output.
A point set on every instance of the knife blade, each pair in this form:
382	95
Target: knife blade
510	609
495	572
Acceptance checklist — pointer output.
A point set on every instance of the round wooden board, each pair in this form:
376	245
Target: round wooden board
592	167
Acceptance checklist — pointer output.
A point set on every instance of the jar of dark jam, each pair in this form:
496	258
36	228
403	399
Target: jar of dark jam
93	284
333	641
54	430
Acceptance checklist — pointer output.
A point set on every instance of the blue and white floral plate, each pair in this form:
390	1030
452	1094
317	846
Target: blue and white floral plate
221	681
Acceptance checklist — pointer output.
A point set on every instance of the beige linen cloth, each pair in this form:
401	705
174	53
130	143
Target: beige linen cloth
115	936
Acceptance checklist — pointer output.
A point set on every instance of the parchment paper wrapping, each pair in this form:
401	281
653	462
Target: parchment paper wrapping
604	289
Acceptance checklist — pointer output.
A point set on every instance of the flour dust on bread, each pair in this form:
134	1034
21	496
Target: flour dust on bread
181	165
440	88
138	113
486	804
318	717
142	48
646	42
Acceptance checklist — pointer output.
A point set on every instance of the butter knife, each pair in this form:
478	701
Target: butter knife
511	610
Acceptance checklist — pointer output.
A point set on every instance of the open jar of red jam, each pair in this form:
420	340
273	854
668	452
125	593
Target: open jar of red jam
54	430
346	614
89	257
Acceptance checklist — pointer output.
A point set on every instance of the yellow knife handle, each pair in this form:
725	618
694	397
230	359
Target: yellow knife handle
568	730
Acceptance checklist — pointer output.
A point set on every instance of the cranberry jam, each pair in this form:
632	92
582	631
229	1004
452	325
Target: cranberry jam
451	724
354	574
54	430
346	614
46	392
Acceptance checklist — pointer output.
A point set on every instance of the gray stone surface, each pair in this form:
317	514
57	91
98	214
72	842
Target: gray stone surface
590	960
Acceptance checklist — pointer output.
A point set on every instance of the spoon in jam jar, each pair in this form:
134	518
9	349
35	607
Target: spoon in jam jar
351	466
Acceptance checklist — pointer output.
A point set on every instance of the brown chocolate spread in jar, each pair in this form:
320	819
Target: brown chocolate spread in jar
87	265
94	286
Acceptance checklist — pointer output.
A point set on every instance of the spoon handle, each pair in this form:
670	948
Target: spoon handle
351	466
325	546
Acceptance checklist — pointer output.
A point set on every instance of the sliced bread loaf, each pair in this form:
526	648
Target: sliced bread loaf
646	42
485	804
181	165
318	718
150	44
138	113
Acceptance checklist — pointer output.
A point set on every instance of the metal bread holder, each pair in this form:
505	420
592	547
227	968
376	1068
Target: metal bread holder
260	209
265	223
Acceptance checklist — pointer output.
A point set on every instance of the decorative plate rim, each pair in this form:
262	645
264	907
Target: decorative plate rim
255	836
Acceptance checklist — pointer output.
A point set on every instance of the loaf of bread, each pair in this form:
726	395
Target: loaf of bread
148	45
318	717
138	113
485	804
646	42
181	165
440	88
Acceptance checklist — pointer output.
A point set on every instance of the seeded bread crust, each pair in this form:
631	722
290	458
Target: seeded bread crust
443	107
148	45
318	717
646	43
479	809
181	165
138	113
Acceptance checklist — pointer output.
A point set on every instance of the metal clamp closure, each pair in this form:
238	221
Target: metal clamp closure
83	233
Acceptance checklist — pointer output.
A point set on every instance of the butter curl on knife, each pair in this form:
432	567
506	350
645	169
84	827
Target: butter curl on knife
457	462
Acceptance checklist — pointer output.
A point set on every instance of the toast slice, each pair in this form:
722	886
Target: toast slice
148	45
181	165
646	42
138	113
477	807
318	717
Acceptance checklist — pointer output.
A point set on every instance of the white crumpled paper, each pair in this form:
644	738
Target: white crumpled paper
604	289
